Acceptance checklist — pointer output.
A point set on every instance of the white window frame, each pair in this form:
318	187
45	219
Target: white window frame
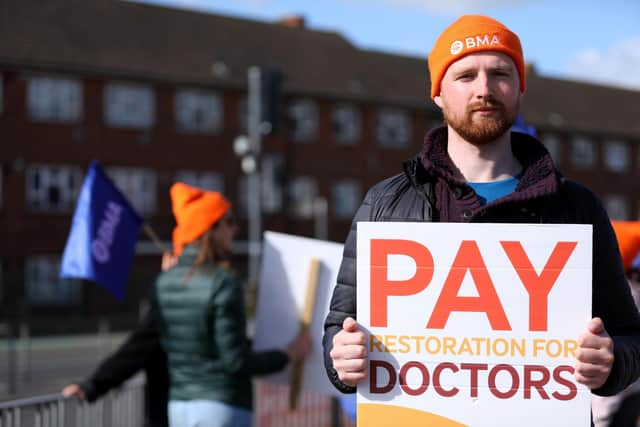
346	124
617	156
304	120
138	185
272	183
41	180
198	111
583	153
54	99
303	191
129	105
399	120
346	186
210	181
45	287
271	186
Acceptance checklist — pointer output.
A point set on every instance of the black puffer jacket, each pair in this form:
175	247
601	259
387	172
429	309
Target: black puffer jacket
141	351
430	190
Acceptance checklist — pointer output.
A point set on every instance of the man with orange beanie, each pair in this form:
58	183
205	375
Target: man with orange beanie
474	169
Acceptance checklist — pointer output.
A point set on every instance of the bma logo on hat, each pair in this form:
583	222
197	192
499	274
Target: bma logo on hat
476	41
456	47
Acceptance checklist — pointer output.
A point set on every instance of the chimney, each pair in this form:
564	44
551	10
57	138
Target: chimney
530	69
292	21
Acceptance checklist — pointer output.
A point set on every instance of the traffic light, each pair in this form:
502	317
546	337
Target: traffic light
270	99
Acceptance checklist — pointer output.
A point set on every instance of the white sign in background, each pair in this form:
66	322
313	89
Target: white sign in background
569	310
286	260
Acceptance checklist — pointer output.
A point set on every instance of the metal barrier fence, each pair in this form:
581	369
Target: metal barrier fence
313	410
125	408
121	408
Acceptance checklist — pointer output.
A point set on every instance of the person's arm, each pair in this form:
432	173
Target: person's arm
121	365
612	302
337	342
234	348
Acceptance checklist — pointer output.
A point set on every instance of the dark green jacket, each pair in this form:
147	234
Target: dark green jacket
203	326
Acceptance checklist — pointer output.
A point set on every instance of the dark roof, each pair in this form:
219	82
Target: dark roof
150	42
139	41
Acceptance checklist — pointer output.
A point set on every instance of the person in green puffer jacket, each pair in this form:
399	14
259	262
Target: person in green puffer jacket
200	309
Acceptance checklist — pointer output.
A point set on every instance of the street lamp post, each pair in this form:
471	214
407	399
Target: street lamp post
264	86
251	166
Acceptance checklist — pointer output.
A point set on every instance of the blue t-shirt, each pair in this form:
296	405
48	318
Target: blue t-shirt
490	191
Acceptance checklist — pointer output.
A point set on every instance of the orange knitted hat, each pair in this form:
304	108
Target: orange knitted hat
195	211
469	34
628	234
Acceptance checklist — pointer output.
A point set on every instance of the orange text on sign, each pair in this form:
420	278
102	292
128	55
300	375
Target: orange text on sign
468	259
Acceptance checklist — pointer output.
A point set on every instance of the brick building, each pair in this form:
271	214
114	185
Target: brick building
158	94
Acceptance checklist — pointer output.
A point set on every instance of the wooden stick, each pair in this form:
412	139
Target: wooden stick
154	237
305	323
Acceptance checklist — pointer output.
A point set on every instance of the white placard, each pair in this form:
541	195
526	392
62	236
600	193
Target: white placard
473	324
286	260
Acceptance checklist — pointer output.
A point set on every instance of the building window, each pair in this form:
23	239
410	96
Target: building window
52	188
129	105
211	181
273	176
552	144
347	196
138	186
617	207
345	120
198	111
54	99
393	129
583	153
302	194
304	120
45	287
271	186
616	156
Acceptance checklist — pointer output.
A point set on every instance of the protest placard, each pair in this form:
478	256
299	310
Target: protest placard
473	324
286	264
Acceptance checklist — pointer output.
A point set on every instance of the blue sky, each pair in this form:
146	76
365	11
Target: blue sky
589	40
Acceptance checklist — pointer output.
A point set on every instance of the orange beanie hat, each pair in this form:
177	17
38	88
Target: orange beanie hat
469	34
195	211
628	234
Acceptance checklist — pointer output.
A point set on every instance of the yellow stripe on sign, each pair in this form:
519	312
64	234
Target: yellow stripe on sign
375	415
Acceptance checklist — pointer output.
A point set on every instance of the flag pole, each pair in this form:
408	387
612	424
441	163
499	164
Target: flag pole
154	237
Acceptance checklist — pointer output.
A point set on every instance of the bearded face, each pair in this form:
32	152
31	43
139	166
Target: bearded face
483	121
480	96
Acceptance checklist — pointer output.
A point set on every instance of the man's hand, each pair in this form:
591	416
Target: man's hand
299	347
168	261
349	354
594	356
73	390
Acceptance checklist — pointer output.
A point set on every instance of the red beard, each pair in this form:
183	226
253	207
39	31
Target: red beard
482	129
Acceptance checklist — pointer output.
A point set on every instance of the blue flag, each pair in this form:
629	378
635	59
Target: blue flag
103	236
